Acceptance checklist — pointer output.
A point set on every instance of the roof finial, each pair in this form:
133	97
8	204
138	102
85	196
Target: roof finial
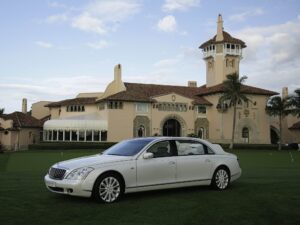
219	28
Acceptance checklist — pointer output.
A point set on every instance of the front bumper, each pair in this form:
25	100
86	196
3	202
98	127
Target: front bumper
68	187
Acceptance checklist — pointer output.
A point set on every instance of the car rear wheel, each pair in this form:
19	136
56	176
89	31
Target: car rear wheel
108	188
221	179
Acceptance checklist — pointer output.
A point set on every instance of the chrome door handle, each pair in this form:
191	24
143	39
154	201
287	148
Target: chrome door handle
207	160
171	162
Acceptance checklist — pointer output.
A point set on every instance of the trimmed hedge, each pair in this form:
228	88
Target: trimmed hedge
106	145
70	145
256	146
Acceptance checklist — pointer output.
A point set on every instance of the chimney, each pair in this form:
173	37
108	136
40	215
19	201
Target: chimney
192	83
24	105
219	29
118	72
285	92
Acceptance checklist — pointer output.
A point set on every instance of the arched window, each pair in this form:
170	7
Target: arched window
201	133
245	134
141	131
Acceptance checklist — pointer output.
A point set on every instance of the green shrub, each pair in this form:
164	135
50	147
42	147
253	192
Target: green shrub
255	146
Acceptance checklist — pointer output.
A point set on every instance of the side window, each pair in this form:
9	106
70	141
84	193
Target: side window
210	152
190	148
161	149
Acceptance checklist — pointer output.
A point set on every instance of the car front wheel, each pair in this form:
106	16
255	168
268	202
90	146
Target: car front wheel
221	179
108	188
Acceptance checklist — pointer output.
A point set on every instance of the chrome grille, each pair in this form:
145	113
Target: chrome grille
56	173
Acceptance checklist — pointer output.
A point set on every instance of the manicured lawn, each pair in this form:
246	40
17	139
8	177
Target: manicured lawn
268	193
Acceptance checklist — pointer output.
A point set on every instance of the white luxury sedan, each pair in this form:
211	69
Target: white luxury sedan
144	164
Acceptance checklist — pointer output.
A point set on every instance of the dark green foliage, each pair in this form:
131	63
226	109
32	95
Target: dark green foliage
268	193
295	103
233	95
277	106
255	147
193	135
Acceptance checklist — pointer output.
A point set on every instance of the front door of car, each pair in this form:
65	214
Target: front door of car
192	162
161	168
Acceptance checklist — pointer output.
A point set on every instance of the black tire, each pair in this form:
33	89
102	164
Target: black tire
108	188
221	179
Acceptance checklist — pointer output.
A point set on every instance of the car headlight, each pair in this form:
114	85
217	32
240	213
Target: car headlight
80	173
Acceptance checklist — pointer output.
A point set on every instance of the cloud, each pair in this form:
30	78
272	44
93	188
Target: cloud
44	44
244	15
57	18
272	58
167	63
56	5
180	5
50	89
167	24
98	45
113	10
88	23
98	16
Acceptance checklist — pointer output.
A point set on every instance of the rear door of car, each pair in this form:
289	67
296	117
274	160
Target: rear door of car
160	169
193	162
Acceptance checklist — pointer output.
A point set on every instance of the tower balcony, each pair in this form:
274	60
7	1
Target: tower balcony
232	49
225	49
210	53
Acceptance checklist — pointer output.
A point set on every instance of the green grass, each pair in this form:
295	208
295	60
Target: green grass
268	193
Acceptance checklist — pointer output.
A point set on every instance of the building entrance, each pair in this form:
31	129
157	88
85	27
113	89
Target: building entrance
172	128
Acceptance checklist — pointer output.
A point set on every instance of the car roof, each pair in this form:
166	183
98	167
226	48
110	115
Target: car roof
215	147
161	138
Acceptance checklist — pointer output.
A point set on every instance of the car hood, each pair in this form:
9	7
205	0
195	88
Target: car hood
94	160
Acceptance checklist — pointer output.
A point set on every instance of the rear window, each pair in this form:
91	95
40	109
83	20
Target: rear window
186	147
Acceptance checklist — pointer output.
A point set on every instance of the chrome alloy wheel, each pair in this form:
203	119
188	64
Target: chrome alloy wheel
222	179
109	189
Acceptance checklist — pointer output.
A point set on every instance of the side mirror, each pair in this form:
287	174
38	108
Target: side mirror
148	155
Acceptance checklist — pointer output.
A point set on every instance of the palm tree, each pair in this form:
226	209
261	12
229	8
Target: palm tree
233	95
277	106
295	102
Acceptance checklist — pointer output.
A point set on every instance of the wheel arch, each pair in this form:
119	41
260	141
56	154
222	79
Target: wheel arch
223	166
110	172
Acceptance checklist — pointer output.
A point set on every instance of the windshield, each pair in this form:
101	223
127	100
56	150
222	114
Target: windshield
127	148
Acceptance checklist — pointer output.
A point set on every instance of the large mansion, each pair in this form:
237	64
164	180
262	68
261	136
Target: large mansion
125	110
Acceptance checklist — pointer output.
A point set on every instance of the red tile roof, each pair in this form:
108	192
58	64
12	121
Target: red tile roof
136	92
22	120
295	126
73	101
146	92
227	38
203	90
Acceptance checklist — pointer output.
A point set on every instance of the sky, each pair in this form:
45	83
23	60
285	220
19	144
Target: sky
53	50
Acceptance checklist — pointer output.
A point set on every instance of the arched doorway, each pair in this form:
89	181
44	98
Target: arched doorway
201	133
141	131
274	135
172	128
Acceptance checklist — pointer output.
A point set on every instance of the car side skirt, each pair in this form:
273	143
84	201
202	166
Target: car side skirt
168	185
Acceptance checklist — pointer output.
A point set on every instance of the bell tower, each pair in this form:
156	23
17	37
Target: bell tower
222	55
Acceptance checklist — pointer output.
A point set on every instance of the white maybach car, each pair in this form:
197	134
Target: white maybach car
144	164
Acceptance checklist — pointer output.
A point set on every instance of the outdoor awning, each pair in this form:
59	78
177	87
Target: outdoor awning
76	123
